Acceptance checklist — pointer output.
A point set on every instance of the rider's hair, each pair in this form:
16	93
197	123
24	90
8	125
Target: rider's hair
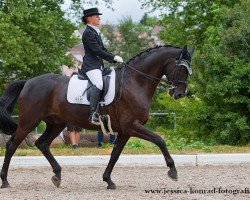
84	20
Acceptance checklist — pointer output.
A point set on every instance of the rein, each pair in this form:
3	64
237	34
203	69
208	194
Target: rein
152	78
156	80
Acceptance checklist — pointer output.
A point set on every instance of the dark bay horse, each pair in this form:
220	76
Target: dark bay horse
44	98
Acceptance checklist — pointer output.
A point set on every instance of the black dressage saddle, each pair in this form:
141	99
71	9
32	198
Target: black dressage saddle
106	82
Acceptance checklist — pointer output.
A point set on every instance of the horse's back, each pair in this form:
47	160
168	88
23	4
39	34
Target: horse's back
49	78
41	87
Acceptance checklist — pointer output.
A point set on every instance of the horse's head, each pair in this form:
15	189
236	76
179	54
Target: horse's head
178	75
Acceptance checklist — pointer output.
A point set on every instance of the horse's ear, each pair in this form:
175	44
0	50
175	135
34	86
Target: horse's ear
191	51
184	50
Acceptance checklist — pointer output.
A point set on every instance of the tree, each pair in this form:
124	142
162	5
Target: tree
76	7
220	32
185	21
146	20
224	83
34	37
128	39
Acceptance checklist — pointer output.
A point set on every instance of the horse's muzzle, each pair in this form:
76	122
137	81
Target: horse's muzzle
178	95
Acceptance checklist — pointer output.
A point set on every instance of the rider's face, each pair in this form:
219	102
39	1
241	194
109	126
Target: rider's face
94	20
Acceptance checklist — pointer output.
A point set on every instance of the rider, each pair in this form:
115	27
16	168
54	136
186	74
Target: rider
92	61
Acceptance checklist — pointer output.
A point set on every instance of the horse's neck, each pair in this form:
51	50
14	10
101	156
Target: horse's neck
158	63
140	81
151	65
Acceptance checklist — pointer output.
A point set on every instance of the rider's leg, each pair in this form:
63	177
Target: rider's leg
95	76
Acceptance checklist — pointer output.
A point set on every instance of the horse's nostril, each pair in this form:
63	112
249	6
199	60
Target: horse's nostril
178	96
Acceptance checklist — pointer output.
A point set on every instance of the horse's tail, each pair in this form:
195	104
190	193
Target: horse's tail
7	103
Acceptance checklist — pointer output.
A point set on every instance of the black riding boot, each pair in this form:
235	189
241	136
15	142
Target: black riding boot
94	100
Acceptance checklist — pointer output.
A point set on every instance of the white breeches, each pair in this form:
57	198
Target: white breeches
95	76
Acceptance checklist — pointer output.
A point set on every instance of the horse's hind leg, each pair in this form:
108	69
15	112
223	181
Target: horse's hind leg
11	147
43	143
140	131
120	142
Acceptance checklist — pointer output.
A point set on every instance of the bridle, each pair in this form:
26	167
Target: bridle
178	64
172	84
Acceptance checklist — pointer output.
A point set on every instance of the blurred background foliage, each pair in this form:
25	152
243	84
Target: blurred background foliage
35	36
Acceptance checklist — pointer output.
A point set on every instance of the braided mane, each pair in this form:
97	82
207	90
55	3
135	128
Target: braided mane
149	50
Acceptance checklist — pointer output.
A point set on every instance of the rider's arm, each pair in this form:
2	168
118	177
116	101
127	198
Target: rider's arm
91	41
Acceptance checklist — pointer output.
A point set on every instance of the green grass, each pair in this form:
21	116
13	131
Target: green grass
175	144
134	146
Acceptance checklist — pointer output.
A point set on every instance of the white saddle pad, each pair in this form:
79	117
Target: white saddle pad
77	87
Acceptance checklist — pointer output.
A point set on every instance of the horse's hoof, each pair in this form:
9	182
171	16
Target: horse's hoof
111	187
56	181
172	173
5	185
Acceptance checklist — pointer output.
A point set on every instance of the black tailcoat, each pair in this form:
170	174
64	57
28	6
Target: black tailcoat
94	51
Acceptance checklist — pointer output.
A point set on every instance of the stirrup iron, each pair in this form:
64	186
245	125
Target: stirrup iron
97	117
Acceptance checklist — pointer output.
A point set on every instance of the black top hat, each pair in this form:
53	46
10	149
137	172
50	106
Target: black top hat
90	12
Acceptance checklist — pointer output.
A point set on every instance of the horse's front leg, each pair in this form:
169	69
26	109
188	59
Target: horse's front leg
138	130
120	142
43	144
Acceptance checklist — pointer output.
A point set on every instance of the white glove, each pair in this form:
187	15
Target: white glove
118	59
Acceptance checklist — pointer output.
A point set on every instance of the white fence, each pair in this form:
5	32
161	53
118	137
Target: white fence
165	114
